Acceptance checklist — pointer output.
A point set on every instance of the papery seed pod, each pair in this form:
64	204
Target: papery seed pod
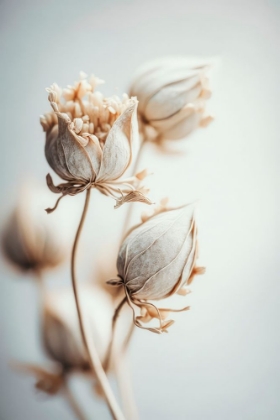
172	92
60	329
90	140
158	259
29	240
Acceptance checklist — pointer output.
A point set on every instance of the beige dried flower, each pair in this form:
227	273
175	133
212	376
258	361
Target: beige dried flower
29	240
172	92
90	139
158	259
61	332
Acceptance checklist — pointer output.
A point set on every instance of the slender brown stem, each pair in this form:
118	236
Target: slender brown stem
89	345
110	347
72	401
128	337
130	205
125	387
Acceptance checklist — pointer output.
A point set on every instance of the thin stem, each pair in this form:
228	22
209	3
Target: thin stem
127	219
89	345
128	337
110	347
72	401
124	384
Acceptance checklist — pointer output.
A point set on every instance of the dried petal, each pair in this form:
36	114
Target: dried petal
48	381
117	150
132	197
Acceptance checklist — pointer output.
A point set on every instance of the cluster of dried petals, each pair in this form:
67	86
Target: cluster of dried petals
49	380
29	240
156	260
60	329
172	93
90	139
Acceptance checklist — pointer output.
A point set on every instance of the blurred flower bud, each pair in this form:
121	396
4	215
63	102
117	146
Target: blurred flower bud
29	240
158	259
90	139
172	93
61	332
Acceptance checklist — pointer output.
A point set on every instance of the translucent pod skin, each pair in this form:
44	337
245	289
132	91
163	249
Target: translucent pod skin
156	255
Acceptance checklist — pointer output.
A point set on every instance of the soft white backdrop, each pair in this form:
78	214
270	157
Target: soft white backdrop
221	359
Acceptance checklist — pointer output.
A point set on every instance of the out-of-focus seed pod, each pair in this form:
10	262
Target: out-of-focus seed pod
172	94
30	240
60	329
158	259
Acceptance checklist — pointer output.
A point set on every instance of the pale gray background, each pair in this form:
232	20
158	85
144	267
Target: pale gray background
220	360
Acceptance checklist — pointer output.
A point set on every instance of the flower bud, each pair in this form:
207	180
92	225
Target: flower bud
158	259
29	240
61	332
172	93
90	139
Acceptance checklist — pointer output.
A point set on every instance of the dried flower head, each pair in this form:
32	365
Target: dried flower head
158	259
172	92
29	240
90	139
61	332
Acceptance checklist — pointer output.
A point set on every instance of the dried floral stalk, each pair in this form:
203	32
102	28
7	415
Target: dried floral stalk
135	169
69	396
124	384
89	345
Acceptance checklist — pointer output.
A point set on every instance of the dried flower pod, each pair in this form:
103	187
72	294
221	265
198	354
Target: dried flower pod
158	259
90	140
29	240
172	92
61	332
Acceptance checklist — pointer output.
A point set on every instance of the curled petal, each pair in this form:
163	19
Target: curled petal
117	152
132	197
48	382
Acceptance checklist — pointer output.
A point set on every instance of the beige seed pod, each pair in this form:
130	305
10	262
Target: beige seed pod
30	241
60	329
94	154
158	259
172	93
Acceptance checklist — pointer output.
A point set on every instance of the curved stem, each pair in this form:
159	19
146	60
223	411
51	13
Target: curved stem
127	219
69	396
110	347
128	337
89	345
125	387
